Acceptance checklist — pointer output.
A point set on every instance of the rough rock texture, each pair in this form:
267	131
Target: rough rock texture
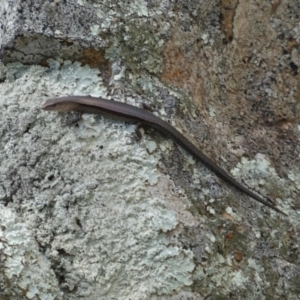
89	212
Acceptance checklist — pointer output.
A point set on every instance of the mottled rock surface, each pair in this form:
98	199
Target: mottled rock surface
89	212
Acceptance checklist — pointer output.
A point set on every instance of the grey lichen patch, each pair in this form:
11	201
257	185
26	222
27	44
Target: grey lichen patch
25	271
136	35
138	47
103	232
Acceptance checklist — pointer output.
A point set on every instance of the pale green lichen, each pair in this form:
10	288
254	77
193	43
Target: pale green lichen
81	80
138	7
262	174
225	274
95	30
259	169
151	146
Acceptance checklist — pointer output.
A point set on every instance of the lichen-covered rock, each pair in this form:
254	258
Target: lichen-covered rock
89	212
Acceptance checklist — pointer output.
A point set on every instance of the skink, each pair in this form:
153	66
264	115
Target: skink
132	114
